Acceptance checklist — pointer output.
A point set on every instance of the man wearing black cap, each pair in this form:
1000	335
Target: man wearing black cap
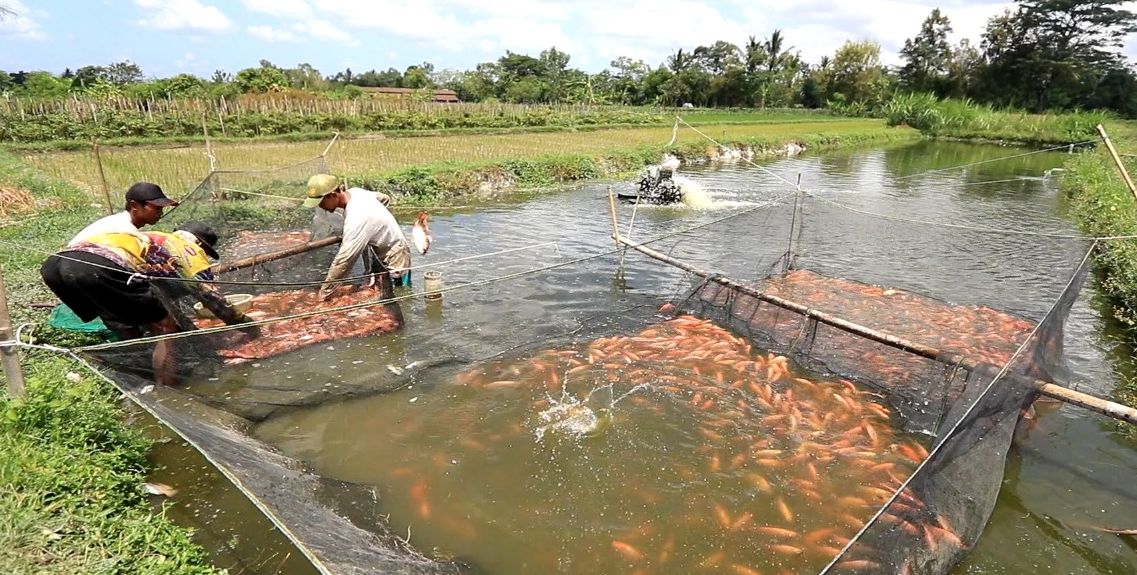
108	276
144	204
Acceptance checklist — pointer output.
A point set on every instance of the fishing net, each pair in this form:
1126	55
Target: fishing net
931	518
257	216
844	418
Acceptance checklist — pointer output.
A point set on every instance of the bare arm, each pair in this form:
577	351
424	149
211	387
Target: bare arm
354	241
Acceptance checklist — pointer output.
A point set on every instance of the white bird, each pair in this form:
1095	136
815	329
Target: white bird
420	234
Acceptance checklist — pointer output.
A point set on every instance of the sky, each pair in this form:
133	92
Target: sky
166	37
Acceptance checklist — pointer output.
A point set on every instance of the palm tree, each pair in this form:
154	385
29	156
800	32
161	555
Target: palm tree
776	56
679	61
755	53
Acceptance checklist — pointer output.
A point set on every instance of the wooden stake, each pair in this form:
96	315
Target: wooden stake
615	222
1117	160
11	360
1049	389
208	146
103	177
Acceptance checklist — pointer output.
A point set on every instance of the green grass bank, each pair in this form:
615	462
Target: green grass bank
71	471
1103	207
447	181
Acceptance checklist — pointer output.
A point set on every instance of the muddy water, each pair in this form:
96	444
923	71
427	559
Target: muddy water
549	504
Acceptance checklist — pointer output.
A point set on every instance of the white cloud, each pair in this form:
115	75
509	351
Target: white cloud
270	34
323	30
21	26
283	8
182	15
187	60
460	33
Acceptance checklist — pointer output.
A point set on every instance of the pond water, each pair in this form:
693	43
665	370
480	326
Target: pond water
464	472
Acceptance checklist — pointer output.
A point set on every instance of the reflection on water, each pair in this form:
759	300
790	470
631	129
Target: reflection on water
1066	472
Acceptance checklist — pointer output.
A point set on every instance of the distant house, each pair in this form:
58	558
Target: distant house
441	96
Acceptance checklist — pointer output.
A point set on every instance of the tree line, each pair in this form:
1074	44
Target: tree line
1042	55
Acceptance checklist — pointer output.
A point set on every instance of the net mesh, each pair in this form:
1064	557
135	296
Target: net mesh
919	442
934	516
254	214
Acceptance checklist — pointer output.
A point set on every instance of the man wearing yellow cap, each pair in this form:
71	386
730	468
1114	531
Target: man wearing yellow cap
368	228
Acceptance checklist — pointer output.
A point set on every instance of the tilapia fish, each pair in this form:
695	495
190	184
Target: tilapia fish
421	234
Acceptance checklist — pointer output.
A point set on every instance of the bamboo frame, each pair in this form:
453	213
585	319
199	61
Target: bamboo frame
1049	389
272	256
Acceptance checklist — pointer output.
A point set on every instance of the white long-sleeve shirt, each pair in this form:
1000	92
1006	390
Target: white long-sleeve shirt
366	222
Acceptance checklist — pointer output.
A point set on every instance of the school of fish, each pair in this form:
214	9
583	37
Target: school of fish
975	332
799	465
285	336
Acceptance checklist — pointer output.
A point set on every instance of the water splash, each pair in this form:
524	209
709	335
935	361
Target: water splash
574	416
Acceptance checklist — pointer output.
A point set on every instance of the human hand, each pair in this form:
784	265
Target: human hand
248	327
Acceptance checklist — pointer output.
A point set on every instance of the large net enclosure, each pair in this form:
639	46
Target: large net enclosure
811	374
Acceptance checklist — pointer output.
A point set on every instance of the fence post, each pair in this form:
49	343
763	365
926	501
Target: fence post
11	359
1117	160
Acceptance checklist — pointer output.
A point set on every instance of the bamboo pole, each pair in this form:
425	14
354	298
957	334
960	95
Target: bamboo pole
330	144
1090	402
11	361
103	177
615	222
272	256
1117	160
1049	389
208	145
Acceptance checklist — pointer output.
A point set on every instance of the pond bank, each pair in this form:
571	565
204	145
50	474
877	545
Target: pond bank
433	183
1103	207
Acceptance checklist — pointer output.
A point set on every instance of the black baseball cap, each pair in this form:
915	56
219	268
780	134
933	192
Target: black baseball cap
149	193
206	237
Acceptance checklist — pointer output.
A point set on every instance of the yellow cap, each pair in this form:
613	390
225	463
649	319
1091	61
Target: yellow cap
319	186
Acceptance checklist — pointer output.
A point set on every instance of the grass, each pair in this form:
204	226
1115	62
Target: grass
71	474
179	169
966	119
1103	206
71	471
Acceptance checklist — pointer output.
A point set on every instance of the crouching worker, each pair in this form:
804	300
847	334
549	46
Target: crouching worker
102	276
369	230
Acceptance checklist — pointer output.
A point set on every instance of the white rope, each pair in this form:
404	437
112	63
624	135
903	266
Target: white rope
225	328
143	277
964	227
798	187
960	167
747	160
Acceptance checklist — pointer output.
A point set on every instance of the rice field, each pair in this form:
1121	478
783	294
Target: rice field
179	169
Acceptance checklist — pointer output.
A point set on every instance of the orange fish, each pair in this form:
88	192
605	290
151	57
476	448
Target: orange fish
627	550
786	549
723	516
744	570
776	531
784	510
